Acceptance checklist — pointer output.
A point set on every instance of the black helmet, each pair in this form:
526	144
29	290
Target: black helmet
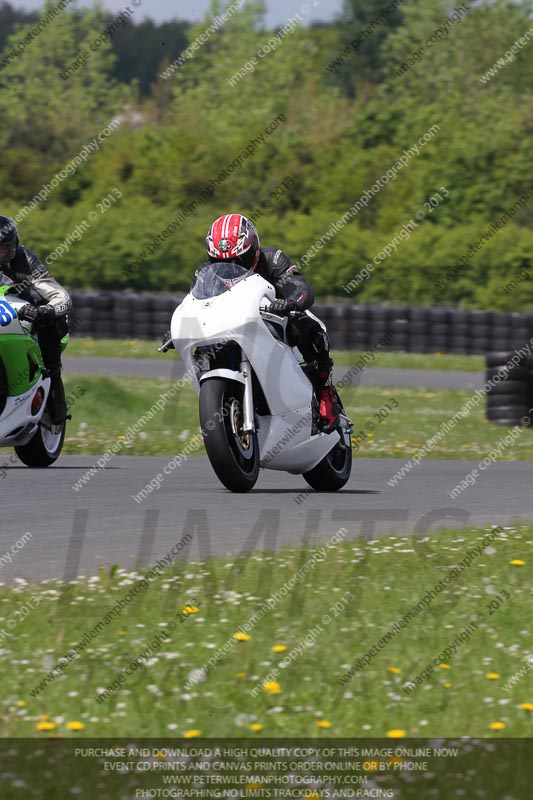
9	240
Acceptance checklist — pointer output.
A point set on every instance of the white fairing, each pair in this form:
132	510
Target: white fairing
17	423
284	435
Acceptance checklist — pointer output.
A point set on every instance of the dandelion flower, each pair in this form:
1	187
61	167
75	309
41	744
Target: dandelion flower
323	723
20	703
394	670
190	609
192	734
256	726
445	666
493	676
279	648
45	726
240	675
517	562
272	687
396	733
447	685
242	637
526	706
497	726
252	787
75	725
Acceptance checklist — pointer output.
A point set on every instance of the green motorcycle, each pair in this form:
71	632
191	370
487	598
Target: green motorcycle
25	422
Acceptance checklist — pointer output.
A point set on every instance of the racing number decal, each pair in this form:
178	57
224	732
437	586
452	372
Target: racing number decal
7	314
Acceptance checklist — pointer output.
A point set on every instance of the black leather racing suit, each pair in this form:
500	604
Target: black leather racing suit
304	331
32	282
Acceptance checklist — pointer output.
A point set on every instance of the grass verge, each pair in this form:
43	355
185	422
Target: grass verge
389	422
327	607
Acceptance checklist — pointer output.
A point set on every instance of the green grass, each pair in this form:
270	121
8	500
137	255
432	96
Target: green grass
372	584
446	361
417	419
114	348
110	405
137	348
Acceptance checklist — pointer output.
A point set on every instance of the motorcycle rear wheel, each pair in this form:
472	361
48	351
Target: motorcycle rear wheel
45	446
234	455
334	471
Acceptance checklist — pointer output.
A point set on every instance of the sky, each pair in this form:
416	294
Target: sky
278	11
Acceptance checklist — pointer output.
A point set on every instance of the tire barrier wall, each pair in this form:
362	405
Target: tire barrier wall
509	401
414	330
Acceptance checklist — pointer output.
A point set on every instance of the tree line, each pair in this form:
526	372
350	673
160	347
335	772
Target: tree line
327	183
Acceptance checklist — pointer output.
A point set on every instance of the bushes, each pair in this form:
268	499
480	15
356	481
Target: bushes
332	146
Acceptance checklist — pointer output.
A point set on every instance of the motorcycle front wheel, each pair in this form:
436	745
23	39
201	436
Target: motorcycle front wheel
233	453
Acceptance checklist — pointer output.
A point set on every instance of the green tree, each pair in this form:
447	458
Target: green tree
364	26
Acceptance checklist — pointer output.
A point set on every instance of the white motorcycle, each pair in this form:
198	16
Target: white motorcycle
257	406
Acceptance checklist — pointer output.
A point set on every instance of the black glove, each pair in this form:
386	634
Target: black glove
41	315
282	307
166	342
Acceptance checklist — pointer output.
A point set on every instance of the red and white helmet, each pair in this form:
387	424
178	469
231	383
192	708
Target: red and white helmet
233	237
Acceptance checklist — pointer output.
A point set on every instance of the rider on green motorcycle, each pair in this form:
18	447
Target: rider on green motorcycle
48	306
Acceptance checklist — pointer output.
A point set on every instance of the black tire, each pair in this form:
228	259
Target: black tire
460	318
234	459
44	448
418	343
459	330
510	387
500	358
379	315
478	346
459	341
513	373
481	317
481	331
509	423
439	315
507	412
500	342
333	472
498	400
417	328
124	330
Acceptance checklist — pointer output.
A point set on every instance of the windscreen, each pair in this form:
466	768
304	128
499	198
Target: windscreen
214	279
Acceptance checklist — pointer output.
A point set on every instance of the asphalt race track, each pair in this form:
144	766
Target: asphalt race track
375	376
108	526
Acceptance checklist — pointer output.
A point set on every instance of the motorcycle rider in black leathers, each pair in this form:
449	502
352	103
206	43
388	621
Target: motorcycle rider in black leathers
233	237
47	307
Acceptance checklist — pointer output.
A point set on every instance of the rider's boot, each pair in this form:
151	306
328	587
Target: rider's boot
321	376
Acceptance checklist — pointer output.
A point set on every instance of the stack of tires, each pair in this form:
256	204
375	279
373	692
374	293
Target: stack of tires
359	321
121	316
510	398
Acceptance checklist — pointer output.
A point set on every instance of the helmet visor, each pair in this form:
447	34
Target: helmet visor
7	251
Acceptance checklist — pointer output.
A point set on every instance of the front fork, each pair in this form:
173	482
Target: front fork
248	397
